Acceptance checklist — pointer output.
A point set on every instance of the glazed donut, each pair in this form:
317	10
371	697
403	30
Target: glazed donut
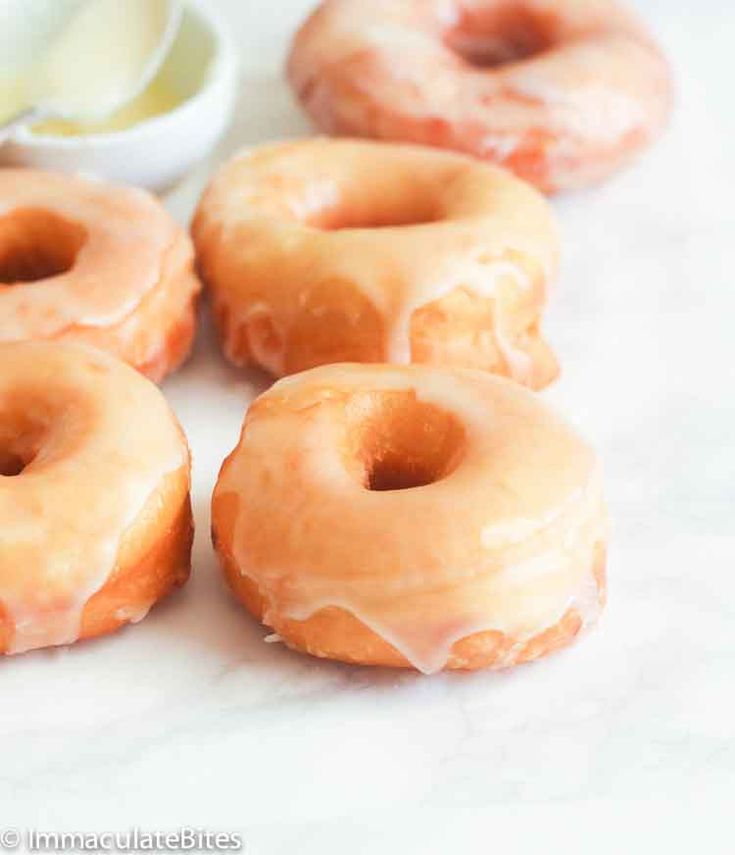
412	516
94	495
328	250
562	92
88	262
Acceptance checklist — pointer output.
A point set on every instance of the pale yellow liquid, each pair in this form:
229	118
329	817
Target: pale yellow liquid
74	80
13	98
154	101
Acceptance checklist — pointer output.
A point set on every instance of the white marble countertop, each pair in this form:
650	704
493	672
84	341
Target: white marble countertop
623	743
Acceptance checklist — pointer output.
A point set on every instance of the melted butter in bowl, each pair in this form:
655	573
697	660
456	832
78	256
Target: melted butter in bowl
181	77
164	132
154	101
12	96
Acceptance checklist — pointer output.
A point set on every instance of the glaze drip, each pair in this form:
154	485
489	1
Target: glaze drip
117	239
507	541
397	229
104	442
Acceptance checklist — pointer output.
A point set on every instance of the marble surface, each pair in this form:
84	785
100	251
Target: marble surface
625	742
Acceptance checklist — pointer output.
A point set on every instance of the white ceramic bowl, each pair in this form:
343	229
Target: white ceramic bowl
155	152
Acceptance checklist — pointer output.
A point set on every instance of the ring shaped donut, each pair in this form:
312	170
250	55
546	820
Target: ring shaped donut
94	495
412	516
88	262
328	250
562	92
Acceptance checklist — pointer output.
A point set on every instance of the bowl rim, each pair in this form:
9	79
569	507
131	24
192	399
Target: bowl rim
222	67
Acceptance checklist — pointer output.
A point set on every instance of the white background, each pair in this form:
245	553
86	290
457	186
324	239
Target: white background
623	743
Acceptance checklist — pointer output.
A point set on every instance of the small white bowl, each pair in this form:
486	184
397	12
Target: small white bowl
156	152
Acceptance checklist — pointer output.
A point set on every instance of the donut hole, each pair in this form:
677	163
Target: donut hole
17	453
26	428
378	213
37	244
490	37
402	442
11	464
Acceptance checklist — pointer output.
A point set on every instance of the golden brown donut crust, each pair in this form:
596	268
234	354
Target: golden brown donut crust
154	560
412	517
94	494
86	262
334	633
157	338
561	92
324	251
